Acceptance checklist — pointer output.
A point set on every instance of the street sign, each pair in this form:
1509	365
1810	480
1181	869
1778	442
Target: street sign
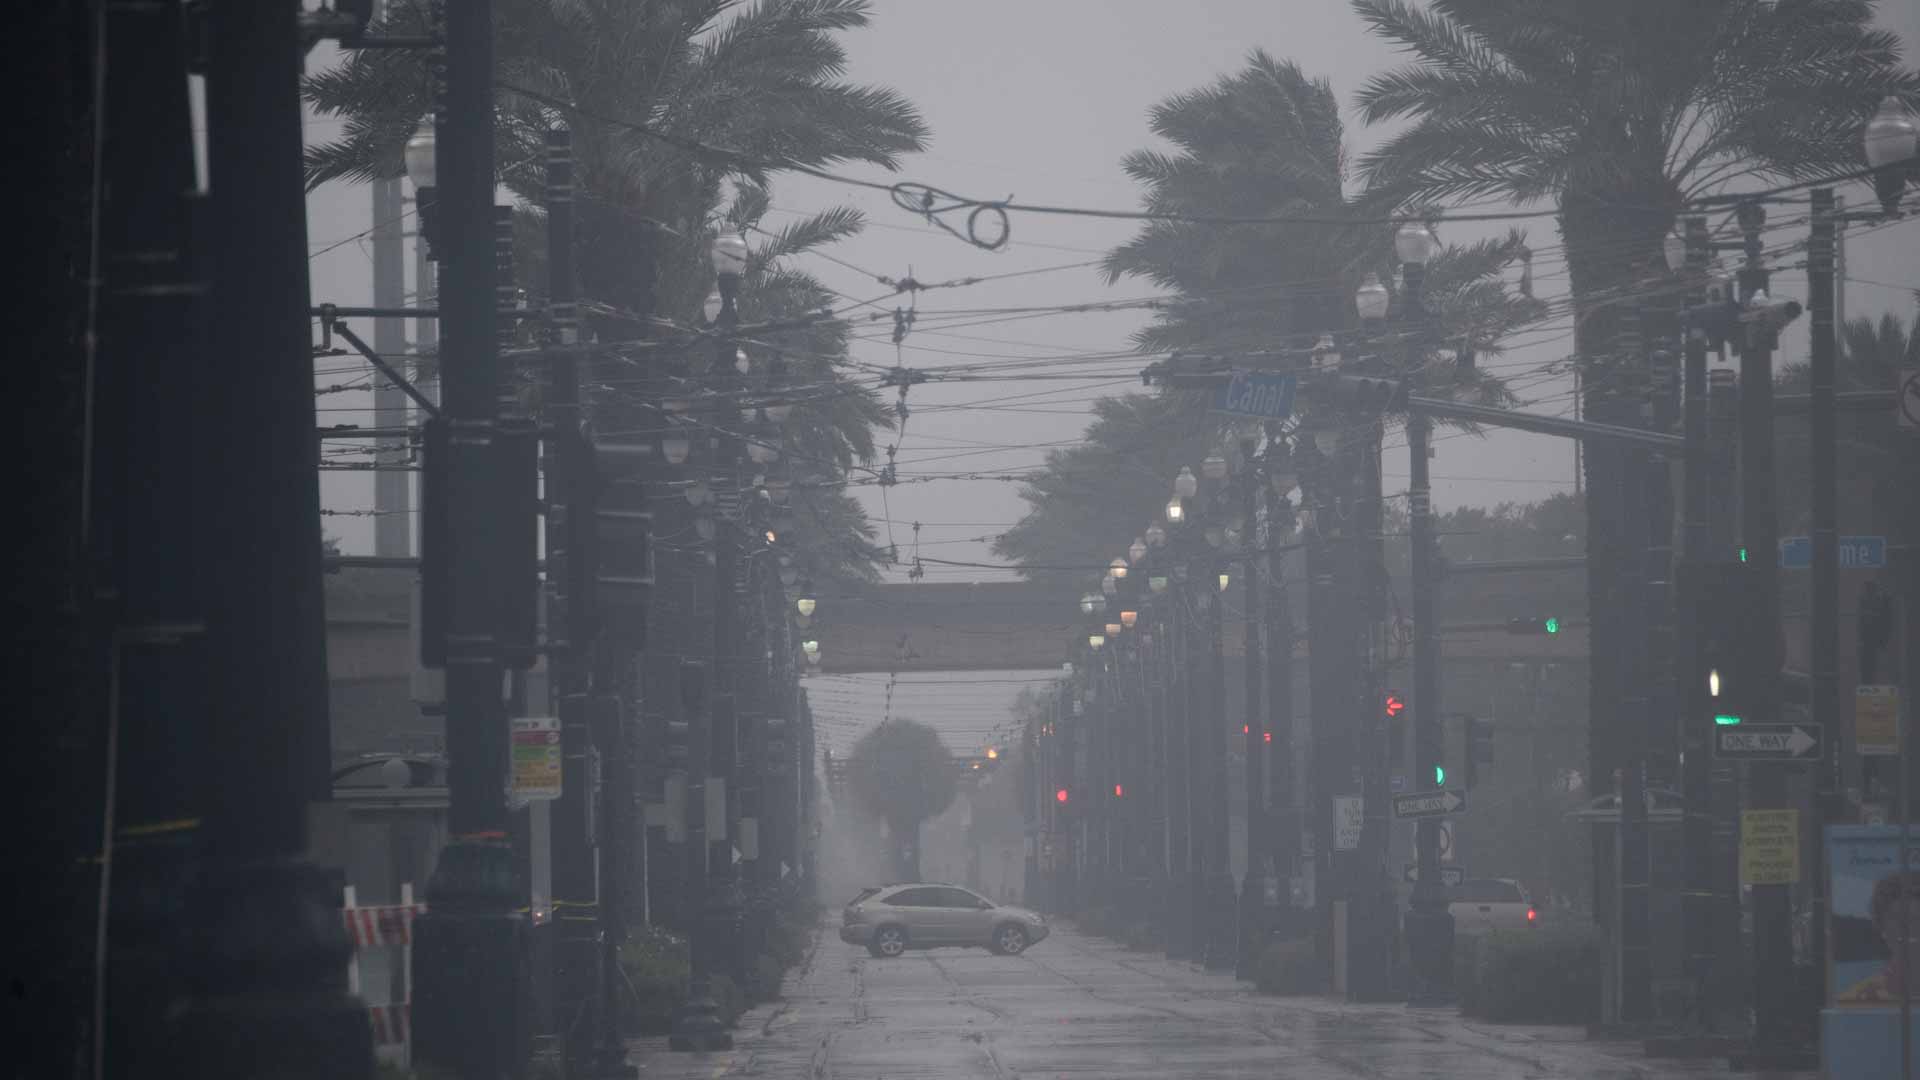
536	757
1450	876
1349	819
1909	404
1770	742
1876	721
1854	552
1398	782
1769	847
1423	804
1251	393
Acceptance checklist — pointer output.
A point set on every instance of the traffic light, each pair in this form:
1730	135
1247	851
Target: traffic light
620	545
1119	791
1361	393
1394	704
773	739
1724	595
1548	625
1479	747
1060	796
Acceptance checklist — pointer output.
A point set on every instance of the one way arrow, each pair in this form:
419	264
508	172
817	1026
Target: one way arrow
1770	742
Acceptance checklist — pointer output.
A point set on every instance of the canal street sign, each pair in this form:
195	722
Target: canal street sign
1450	876
1422	804
1259	394
1769	742
1854	552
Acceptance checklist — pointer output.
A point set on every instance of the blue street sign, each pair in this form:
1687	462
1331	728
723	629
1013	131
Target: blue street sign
1856	552
1260	394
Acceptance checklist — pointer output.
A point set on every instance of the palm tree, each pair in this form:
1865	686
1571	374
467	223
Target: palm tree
1264	141
1618	112
1872	357
903	774
640	83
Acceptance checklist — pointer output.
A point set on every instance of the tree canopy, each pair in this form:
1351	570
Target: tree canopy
902	773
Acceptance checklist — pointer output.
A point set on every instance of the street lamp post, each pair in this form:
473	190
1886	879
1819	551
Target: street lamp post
1214	927
716	930
1176	707
1429	924
1257	733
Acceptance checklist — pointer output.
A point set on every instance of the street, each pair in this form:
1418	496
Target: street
1075	1005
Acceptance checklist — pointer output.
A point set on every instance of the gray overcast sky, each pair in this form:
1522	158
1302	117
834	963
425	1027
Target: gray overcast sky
1040	99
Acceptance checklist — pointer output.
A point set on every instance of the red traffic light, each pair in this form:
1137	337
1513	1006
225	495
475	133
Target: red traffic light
1267	735
1118	791
1395	704
1060	796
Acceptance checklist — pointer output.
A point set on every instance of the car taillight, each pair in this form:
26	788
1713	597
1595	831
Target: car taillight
1532	914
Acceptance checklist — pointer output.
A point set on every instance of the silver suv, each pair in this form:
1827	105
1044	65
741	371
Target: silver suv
891	919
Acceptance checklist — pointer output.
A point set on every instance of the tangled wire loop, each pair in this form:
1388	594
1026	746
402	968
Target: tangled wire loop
930	202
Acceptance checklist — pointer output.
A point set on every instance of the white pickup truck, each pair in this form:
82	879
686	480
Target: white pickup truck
1480	905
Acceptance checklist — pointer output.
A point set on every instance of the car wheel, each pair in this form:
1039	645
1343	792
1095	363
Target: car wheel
1009	940
888	941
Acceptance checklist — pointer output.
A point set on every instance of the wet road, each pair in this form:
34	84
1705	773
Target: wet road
1076	1006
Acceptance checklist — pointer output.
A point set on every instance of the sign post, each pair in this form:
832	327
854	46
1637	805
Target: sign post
1769	847
536	758
1770	742
1426	804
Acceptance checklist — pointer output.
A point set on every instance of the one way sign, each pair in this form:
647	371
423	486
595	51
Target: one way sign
1423	804
1770	742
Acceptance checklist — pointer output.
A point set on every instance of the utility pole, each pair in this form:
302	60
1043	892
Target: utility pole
470	1004
1284	824
1695	723
1429	923
392	527
266	990
1177	713
1759	533
1328	611
1633	910
1253	928
1824	699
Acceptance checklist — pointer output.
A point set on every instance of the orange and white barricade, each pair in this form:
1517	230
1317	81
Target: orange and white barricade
382	937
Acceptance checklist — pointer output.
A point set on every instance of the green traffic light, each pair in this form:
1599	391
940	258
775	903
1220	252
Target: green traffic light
1439	776
1553	624
1725	720
1743	554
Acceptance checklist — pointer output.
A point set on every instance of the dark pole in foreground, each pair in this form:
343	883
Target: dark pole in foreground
1760	675
1824	700
1283	792
1429	922
1696	777
470	1002
267	994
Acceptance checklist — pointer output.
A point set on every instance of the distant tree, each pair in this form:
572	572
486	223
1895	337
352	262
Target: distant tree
903	774
1872	356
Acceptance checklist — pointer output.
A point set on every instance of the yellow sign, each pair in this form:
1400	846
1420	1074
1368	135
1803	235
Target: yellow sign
1769	847
536	757
1876	720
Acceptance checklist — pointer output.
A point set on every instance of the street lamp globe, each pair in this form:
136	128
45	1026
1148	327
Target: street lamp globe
1414	243
1371	298
741	362
1176	510
1157	583
1066	668
1117	569
1891	136
1214	467
1089	603
729	254
1137	550
1113	629
419	156
1156	536
1186	484
806	605
1674	250
676	447
710	308
1225	580
1095	640
1107	587
1128	618
1326	354
1215	536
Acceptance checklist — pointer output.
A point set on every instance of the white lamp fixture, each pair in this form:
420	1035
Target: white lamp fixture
1176	511
1186	485
1096	640
1117	569
1674	250
1113	629
421	159
1107	587
675	448
1414	243
1156	536
1326	354
1214	468
1891	136
1157	583
1216	536
1089	603
1137	550
710	308
1128	618
1225	580
806	605
729	254
1371	298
